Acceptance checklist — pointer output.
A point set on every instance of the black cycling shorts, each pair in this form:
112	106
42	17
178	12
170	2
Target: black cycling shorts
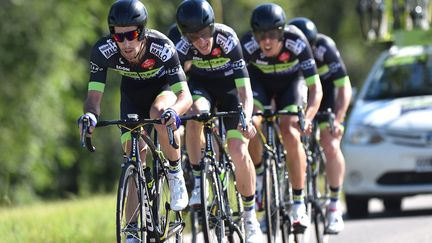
221	93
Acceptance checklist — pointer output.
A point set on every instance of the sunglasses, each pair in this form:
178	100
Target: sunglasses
130	35
205	33
270	34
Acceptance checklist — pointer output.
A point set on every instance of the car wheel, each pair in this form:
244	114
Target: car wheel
393	204
357	206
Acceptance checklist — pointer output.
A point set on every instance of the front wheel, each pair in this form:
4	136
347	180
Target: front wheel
130	215
271	201
212	222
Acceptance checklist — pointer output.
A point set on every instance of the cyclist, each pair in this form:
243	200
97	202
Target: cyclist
218	79
153	82
279	61
336	96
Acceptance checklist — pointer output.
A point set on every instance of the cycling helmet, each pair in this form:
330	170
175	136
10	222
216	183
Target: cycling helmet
267	16
307	27
194	15
128	13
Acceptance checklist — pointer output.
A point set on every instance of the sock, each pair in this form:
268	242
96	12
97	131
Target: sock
196	171
174	167
298	196
249	207
334	198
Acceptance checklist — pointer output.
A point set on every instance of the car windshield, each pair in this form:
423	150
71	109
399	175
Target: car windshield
402	77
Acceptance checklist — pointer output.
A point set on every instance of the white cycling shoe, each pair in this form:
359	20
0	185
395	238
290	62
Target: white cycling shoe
179	196
195	199
299	218
253	231
335	223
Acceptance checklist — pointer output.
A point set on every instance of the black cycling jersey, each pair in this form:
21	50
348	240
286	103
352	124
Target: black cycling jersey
279	77
160	64
159	70
225	59
331	69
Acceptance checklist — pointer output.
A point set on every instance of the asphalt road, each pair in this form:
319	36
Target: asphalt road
412	225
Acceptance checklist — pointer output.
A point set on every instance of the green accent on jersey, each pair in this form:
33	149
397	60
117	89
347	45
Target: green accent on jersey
233	133
403	60
324	125
242	82
312	80
213	63
196	97
323	69
341	82
177	87
140	75
291	108
97	86
258	104
276	68
125	137
165	92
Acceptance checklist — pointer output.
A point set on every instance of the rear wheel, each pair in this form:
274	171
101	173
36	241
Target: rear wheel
234	209
357	206
130	215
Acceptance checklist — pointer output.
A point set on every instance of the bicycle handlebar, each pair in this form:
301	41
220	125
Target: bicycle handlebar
208	116
269	113
124	122
329	116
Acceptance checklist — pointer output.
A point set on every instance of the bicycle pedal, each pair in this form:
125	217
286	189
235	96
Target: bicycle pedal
299	229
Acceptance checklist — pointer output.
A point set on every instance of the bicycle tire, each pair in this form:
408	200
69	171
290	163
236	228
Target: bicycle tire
170	222
285	198
271	200
213	224
320	194
125	227
234	207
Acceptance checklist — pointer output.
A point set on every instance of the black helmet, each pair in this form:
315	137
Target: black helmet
307	27
194	15
267	16
128	13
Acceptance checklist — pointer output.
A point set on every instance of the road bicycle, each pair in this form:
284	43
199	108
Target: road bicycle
221	210
317	188
277	194
143	209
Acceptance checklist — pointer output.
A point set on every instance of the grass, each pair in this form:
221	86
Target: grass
79	220
84	220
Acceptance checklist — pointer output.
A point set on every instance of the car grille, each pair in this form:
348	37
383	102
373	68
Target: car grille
410	138
405	178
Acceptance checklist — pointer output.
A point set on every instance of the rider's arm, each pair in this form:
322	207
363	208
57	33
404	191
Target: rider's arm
340	79
309	70
178	84
241	78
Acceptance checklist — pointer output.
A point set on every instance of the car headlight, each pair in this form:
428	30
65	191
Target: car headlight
363	135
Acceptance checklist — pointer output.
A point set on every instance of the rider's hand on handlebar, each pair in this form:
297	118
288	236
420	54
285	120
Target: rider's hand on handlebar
91	124
307	127
170	118
250	131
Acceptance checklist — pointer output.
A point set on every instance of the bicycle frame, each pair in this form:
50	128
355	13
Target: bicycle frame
157	231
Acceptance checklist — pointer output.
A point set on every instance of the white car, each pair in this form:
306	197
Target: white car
388	140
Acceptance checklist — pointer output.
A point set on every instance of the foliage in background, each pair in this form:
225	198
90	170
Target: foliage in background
45	47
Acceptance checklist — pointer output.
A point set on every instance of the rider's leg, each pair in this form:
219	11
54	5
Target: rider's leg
194	146
335	169
179	196
296	161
